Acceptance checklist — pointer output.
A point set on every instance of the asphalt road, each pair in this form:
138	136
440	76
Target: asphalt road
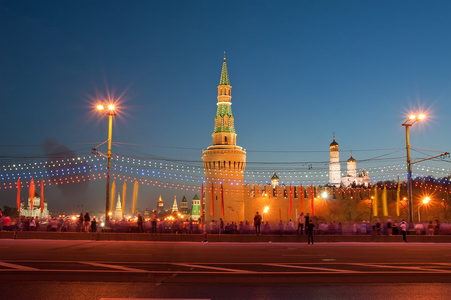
43	269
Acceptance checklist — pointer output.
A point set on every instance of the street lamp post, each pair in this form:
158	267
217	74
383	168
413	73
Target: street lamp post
110	113
408	123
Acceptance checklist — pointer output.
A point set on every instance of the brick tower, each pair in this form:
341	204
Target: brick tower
224	162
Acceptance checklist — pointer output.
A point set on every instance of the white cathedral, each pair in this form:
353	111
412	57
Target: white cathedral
35	210
352	179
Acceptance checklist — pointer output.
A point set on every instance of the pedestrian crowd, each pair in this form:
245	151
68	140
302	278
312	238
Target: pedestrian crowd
258	226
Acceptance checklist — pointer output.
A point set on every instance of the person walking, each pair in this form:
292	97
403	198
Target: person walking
94	225
280	227
32	225
257	223
309	227
437	227
140	223
290	227
306	221
87	219
80	222
431	228
378	226
221	226
153	222
7	223
403	227
301	222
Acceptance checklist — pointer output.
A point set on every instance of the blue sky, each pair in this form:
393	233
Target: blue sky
300	70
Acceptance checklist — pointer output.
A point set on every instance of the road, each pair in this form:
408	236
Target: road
48	269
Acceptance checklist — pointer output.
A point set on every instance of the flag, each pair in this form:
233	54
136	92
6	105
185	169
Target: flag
32	192
384	201
113	192
135	196
398	199
222	201
42	196
291	200
18	195
375	202
212	203
302	198
313	199
202	200
124	189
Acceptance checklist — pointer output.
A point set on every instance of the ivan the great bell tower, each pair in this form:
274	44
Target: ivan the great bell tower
224	162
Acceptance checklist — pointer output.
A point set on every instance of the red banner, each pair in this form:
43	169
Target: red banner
18	194
222	201
301	197
212	203
42	196
32	192
291	200
313	200
202	200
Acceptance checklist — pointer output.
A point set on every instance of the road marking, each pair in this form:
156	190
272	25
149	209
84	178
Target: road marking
17	267
113	267
401	267
306	255
312	268
213	268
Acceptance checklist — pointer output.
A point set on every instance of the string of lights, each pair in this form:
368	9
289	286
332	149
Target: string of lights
65	170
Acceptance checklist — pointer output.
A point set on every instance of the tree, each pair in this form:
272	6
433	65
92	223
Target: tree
10	211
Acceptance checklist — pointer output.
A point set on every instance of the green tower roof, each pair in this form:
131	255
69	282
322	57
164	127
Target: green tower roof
224	76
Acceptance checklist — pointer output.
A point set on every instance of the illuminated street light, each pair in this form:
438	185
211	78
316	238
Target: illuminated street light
409	122
265	211
110	113
424	202
324	195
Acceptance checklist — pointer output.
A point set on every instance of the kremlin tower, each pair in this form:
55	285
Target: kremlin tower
224	162
334	165
175	208
351	167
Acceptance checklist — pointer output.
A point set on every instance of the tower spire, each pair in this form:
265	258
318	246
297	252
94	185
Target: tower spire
224	132
224	75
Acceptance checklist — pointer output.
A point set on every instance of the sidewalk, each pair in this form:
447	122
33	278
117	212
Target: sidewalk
232	238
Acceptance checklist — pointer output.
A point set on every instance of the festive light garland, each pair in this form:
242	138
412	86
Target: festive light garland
71	170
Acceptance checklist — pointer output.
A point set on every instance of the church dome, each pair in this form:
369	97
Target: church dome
334	143
351	159
274	177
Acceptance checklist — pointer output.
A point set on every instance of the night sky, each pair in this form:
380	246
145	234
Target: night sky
299	70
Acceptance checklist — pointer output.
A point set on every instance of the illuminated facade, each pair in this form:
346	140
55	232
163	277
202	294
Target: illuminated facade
195	210
274	180
224	162
352	179
35	210
175	207
117	215
334	165
160	207
184	206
